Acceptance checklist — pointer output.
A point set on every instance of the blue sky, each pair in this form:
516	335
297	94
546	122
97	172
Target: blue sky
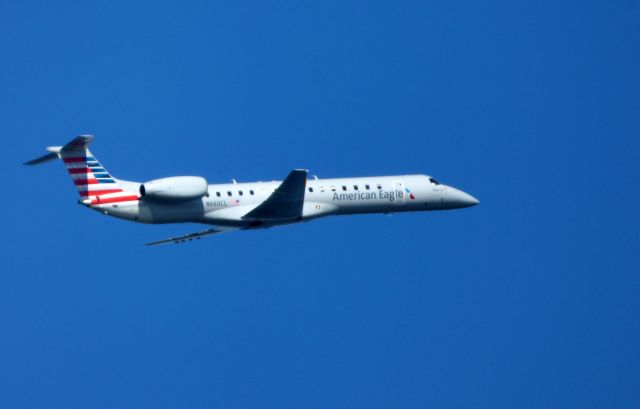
529	300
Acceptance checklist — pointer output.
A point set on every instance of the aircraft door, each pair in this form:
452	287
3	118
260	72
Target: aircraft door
398	192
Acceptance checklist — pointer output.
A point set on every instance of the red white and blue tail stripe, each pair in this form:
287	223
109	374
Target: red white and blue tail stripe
88	175
94	183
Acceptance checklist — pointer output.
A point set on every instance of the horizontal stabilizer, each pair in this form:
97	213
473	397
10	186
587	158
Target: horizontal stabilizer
42	159
191	236
79	143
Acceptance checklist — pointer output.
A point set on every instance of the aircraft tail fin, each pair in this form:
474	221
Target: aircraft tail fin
88	175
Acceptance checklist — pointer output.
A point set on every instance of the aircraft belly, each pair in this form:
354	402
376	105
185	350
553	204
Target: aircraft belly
312	210
126	211
170	212
353	206
228	216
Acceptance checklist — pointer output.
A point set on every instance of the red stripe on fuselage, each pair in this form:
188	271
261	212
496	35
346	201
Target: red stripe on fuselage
99	192
99	201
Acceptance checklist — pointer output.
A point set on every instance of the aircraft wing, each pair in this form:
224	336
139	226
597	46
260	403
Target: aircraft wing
285	203
191	236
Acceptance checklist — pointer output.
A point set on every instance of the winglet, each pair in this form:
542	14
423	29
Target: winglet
285	203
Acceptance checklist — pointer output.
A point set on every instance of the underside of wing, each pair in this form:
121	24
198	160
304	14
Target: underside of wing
285	203
192	236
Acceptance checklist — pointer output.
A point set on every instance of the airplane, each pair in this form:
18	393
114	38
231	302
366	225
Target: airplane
245	206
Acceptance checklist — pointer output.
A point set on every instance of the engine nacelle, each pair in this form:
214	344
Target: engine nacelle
174	189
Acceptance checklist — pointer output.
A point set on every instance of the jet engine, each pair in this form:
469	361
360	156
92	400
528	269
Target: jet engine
174	189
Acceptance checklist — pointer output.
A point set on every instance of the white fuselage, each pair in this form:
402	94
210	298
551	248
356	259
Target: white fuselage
226	204
239	206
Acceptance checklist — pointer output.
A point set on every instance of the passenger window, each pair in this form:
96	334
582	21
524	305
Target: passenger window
355	187
310	190
344	188
333	188
366	187
379	186
218	194
229	193
240	192
251	192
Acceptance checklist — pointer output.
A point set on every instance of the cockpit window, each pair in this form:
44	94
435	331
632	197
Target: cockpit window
435	182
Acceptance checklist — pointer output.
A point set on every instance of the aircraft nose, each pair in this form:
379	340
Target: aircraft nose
459	199
470	200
